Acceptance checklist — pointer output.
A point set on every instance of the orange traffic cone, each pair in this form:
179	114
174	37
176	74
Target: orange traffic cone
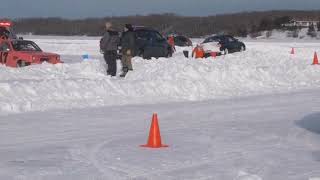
315	59
292	51
154	140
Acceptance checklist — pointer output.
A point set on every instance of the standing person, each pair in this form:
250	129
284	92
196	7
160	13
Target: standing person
127	49
171	42
4	33
109	46
198	52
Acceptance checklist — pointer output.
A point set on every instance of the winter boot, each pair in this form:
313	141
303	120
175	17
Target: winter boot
124	72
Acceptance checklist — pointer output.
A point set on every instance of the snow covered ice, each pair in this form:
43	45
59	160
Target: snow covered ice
245	116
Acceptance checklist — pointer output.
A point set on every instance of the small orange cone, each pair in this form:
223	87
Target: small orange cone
292	51
154	140
315	59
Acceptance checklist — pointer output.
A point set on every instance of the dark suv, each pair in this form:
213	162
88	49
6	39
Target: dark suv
227	43
150	43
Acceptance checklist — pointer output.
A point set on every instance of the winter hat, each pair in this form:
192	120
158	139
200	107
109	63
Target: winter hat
108	25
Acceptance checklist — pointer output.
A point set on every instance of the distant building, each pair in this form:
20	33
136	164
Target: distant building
301	23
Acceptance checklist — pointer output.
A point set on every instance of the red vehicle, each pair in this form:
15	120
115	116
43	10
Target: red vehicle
20	53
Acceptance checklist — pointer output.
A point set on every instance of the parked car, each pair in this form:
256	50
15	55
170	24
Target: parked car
182	41
20	53
150	43
223	44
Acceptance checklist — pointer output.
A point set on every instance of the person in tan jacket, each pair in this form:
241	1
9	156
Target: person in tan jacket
127	49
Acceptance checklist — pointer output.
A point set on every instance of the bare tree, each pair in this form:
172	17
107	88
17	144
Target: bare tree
238	24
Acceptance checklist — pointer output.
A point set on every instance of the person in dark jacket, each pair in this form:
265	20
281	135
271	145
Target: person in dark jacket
109	46
4	33
127	49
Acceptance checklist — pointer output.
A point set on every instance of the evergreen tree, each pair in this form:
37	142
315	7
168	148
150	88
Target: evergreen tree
279	21
311	31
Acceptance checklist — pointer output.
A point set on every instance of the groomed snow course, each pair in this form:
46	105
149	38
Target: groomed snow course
266	67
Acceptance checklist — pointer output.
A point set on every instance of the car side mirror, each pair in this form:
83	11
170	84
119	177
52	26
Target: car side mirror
21	38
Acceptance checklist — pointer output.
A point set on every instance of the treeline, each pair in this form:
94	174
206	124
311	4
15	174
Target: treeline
238	24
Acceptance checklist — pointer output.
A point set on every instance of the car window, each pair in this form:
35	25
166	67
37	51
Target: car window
148	35
212	39
216	39
25	46
208	40
230	39
142	34
155	35
4	46
181	38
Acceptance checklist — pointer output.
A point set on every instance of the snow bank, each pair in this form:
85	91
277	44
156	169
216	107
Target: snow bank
69	45
263	68
279	35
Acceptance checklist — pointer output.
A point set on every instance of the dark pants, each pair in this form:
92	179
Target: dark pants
111	59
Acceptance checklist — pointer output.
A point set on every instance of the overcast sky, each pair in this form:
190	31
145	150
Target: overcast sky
99	8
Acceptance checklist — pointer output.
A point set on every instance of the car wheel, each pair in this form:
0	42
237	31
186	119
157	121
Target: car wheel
140	52
225	51
22	63
145	56
242	48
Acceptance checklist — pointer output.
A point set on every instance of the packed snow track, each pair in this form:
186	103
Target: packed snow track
253	138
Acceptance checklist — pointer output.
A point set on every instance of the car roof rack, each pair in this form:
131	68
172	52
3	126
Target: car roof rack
142	28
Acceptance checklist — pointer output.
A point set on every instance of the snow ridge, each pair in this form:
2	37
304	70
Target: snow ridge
263	68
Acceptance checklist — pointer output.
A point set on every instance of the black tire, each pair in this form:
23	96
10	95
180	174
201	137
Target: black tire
242	48
145	56
225	51
22	63
140	52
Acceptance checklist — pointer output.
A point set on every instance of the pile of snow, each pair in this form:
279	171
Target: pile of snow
68	45
263	68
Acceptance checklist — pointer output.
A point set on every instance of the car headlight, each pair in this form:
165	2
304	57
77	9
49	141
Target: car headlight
33	58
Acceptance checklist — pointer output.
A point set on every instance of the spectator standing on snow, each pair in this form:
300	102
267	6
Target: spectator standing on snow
198	52
171	42
109	46
4	33
127	49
